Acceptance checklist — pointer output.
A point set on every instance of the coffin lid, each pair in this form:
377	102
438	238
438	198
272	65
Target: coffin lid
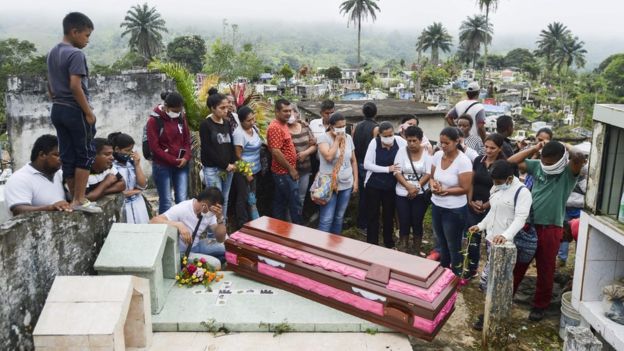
376	257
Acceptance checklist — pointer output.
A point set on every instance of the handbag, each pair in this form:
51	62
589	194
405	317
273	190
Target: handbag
526	239
426	193
325	185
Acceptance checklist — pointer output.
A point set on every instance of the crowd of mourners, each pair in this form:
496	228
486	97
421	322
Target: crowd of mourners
528	192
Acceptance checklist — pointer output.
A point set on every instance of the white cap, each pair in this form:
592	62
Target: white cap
474	86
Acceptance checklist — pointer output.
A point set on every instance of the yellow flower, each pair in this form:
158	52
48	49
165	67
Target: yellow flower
199	264
177	277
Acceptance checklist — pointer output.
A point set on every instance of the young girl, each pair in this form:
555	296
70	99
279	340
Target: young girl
127	162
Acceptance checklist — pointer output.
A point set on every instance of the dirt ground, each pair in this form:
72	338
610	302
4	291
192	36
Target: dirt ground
457	334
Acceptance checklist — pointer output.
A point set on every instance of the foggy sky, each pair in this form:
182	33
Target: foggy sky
587	19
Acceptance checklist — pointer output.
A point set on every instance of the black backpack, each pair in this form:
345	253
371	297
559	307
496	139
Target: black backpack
147	152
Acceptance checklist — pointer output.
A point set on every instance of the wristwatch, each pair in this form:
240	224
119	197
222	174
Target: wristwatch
220	221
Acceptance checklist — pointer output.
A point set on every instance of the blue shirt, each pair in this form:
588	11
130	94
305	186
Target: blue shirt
251	145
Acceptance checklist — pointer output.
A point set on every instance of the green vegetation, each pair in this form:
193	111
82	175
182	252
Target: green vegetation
189	51
435	38
473	33
356	10
487	5
145	27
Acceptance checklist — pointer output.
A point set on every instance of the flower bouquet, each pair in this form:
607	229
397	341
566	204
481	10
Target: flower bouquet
197	272
244	167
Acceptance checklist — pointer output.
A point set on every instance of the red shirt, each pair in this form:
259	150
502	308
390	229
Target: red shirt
166	146
278	137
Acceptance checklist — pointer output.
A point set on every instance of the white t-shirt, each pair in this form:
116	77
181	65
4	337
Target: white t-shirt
317	127
449	178
96	178
422	167
345	174
476	111
184	213
30	187
471	153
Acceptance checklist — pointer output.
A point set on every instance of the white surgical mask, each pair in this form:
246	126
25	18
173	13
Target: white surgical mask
292	119
387	140
502	187
340	130
173	114
556	168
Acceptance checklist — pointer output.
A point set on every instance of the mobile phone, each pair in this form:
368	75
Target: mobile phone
181	153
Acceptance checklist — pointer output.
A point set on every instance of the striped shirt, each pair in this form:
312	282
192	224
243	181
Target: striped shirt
302	142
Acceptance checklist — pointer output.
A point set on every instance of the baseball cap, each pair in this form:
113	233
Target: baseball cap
474	86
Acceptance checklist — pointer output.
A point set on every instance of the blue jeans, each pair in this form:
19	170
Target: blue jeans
165	177
286	199
212	178
449	224
332	213
304	184
209	247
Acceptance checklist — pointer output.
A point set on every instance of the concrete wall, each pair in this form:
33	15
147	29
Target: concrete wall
121	104
36	247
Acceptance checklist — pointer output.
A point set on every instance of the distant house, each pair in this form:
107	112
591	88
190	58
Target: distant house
507	75
536	126
349	75
265	77
406	75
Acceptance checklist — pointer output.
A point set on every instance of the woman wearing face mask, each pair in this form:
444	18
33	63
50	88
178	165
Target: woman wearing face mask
479	195
380	183
305	145
207	210
337	157
247	145
510	206
169	141
451	179
128	163
217	149
412	186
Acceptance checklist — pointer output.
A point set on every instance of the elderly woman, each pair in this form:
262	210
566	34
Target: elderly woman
337	157
305	145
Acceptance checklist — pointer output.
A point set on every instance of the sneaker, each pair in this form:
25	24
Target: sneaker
536	315
434	255
88	207
478	324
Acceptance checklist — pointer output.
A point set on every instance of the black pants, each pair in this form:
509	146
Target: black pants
376	198
242	188
411	214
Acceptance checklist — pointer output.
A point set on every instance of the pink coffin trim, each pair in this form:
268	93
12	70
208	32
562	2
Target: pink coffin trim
231	258
321	289
427	295
299	255
429	325
424	294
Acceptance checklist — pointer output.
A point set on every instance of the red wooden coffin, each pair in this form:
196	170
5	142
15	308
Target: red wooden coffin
406	293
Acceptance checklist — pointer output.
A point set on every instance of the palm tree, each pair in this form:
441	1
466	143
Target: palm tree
356	10
473	32
487	5
435	38
549	42
569	52
145	26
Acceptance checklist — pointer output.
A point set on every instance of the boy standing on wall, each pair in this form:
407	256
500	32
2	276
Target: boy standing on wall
71	114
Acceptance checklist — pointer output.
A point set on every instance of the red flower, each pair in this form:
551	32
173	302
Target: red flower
191	268
202	260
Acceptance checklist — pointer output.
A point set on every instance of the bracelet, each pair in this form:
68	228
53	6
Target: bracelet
220	221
